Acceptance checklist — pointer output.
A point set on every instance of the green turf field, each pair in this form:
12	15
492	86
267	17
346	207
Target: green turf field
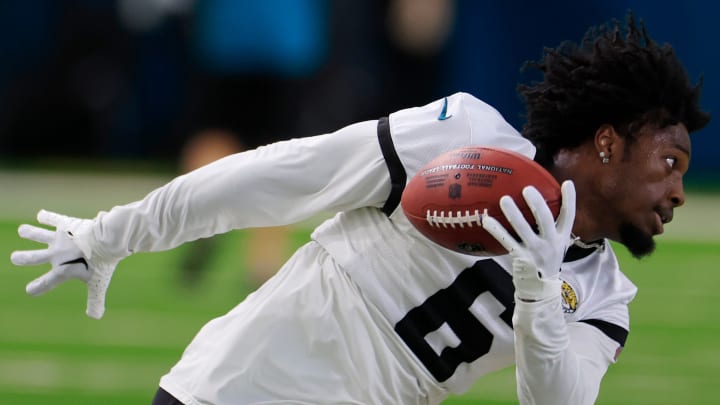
51	353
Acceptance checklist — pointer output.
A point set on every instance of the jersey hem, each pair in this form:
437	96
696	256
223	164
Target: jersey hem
178	392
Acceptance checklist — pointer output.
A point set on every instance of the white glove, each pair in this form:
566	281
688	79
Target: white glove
70	253
537	260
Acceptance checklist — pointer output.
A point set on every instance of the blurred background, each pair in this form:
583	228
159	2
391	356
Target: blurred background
103	100
139	79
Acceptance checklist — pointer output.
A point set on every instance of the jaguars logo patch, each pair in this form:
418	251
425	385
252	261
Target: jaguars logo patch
569	298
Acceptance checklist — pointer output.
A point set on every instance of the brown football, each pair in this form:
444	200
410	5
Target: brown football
447	198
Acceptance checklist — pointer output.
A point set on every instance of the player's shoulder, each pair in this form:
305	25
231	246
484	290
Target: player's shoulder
457	120
599	268
594	287
450	109
473	105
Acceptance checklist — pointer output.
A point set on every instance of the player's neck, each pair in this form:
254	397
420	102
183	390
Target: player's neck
585	227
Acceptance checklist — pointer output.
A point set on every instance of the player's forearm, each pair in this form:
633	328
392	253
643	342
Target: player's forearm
556	363
185	209
273	185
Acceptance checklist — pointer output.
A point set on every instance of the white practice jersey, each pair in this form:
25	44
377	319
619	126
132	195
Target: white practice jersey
451	314
452	310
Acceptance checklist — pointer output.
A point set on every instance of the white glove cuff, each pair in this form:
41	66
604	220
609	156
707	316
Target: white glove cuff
538	290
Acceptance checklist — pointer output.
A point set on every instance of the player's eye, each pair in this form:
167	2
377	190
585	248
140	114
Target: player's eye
671	161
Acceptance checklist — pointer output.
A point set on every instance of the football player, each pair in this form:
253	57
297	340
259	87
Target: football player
372	312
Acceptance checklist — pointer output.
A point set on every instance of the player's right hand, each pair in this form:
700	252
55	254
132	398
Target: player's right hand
71	256
537	257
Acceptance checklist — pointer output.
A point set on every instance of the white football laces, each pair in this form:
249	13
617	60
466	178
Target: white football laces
459	219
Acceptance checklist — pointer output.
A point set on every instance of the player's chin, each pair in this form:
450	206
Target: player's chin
638	242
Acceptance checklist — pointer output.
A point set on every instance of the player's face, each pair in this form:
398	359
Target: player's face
649	185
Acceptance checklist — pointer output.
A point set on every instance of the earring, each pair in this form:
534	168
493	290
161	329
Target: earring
605	158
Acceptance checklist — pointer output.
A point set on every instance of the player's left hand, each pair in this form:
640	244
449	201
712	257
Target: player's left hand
537	259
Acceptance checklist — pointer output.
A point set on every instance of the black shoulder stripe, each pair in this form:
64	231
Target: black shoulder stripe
613	331
398	177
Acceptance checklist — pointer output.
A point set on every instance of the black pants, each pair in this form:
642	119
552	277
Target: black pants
162	397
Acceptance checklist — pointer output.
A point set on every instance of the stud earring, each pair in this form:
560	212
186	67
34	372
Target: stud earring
605	158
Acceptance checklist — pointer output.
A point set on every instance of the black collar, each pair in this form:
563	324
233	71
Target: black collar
576	252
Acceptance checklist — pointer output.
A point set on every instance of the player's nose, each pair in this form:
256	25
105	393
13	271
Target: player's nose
677	194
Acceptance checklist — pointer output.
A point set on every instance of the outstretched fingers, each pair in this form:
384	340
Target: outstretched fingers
51	218
566	219
516	219
495	228
36	234
56	276
97	289
539	209
33	257
30	257
45	283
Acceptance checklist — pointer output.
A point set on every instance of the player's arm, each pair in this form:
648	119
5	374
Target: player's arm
277	184
556	363
273	185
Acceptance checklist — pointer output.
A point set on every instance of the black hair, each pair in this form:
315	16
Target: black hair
627	81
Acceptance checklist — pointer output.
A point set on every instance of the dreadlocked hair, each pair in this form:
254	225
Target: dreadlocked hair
627	81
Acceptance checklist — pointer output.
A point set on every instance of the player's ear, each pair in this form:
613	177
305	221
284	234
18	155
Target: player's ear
607	143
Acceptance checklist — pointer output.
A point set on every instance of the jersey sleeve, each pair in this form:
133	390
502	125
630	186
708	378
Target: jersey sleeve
558	362
601	291
419	134
564	347
278	184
